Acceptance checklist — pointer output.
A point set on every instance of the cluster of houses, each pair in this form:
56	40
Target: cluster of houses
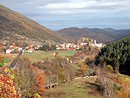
80	43
67	46
13	48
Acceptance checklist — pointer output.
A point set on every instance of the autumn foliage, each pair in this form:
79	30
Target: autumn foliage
124	91
29	79
40	83
7	88
114	85
83	68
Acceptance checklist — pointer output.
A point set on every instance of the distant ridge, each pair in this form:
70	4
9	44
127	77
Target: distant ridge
15	27
101	35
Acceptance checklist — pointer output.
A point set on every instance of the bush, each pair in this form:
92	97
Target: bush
109	68
91	72
106	87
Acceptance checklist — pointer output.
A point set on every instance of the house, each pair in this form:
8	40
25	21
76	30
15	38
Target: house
99	45
66	46
20	49
30	50
8	51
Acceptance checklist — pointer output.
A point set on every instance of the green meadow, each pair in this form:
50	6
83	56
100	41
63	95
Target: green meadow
40	55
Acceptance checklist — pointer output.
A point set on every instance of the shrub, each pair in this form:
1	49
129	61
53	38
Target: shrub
106	87
91	72
83	68
109	68
124	91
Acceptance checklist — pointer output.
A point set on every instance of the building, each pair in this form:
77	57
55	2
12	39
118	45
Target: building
8	51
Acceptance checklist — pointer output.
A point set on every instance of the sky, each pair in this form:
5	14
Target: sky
59	14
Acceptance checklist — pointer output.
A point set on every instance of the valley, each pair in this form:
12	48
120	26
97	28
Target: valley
72	62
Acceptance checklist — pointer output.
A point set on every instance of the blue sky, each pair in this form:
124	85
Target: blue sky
58	14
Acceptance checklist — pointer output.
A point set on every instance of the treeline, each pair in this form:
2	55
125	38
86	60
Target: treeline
117	55
47	47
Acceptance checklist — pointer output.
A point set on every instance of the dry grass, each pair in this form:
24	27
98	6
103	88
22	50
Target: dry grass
81	88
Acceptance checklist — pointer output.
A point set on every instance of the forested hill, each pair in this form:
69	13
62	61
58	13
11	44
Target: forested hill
16	27
117	54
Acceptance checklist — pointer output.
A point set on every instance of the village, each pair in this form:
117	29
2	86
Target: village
80	43
64	49
83	42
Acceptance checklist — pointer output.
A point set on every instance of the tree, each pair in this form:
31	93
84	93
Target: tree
24	78
116	54
83	68
40	82
58	70
69	72
47	47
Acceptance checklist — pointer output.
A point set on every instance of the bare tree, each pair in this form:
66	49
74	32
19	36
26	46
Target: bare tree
24	78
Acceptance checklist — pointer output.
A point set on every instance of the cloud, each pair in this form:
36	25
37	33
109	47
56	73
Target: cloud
70	5
65	13
74	6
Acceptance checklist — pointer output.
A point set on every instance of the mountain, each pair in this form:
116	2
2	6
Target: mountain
101	35
18	28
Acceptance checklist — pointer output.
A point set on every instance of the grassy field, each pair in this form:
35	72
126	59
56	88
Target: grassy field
6	60
81	88
40	55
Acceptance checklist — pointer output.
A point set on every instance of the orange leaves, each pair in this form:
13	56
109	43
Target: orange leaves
7	88
40	82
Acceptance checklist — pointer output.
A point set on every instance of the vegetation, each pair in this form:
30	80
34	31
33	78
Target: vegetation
47	47
70	74
116	54
41	55
7	87
5	61
109	68
83	68
78	88
24	78
123	90
57	70
1	60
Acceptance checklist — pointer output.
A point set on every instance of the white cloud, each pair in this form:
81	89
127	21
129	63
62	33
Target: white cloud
70	5
74	6
74	12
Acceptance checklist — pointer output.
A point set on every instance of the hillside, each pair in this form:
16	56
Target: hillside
101	35
16	27
116	54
